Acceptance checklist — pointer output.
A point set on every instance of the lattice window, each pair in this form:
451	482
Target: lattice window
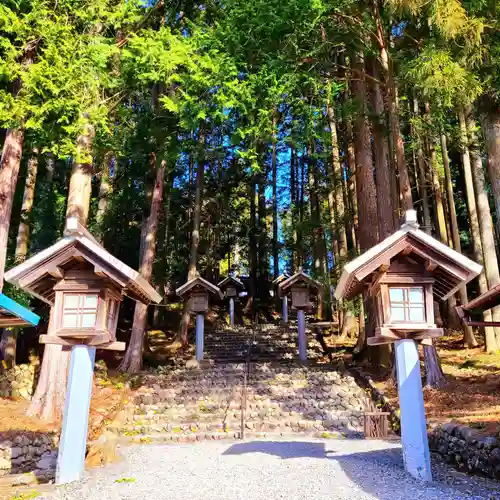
407	304
112	312
79	310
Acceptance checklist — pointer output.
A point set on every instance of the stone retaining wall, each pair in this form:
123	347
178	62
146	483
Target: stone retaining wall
23	452
467	449
18	382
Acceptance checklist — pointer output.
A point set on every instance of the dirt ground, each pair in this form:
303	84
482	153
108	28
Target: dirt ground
471	394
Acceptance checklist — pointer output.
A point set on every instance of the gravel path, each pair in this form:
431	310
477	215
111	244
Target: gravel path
267	470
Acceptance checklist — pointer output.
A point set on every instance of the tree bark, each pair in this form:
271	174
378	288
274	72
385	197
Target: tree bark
484	216
23	233
252	249
490	334
490	124
132	361
422	177
104	191
469	338
336	195
274	168
434	376
80	186
404	180
50	394
382	166
9	171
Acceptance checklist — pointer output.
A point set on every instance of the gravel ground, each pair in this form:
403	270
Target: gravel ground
305	469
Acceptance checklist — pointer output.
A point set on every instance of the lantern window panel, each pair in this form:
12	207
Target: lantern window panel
112	311
407	304
79	310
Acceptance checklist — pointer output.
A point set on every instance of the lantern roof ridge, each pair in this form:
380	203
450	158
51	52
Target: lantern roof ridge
282	277
78	240
408	239
230	279
198	281
299	276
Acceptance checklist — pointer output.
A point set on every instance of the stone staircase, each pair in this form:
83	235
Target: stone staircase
282	399
272	344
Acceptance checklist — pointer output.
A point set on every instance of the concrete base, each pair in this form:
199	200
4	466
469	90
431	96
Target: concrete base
72	447
411	401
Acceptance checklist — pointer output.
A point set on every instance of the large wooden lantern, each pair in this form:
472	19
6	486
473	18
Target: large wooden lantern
402	276
300	286
84	285
231	288
196	292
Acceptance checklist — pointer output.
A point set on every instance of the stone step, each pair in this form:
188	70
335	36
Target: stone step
289	426
165	438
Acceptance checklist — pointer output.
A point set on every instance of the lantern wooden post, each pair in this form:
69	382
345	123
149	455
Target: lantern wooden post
402	275
73	443
411	402
83	284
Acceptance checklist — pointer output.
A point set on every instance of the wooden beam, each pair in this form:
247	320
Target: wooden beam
407	251
99	271
430	265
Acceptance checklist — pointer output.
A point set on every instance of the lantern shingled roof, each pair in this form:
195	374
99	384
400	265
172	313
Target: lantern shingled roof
38	274
198	282
231	280
450	268
297	278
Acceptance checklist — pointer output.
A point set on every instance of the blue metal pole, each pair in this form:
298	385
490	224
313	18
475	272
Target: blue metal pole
411	402
301	322
285	310
72	447
231	311
200	326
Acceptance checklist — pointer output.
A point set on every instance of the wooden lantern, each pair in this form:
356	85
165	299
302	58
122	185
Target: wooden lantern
403	275
301	286
84	284
231	286
197	291
198	302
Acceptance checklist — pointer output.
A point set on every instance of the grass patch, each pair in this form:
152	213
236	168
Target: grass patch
126	480
26	496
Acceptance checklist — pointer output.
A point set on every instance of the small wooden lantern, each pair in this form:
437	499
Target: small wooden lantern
231	286
197	292
84	284
404	274
301	286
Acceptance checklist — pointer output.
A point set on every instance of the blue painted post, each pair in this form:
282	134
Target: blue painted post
231	311
411	401
301	321
200	326
285	309
72	447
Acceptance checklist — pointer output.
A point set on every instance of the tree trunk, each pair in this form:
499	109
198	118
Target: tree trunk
9	171
80	186
422	177
275	199
132	361
104	191
484	216
490	124
404	180
336	196
490	334
294	200
469	338
252	249
8	346
382	166
50	393
434	376
23	233
351	187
